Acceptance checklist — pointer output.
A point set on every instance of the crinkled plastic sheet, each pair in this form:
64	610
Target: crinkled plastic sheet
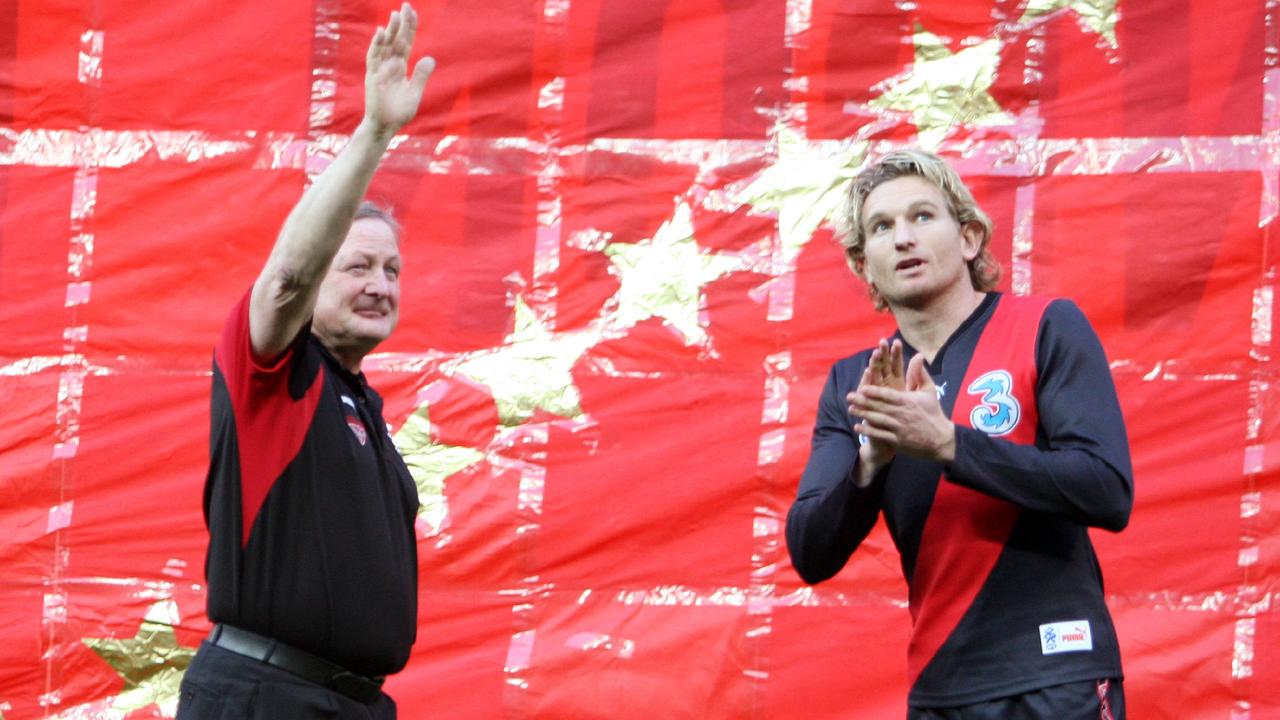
604	482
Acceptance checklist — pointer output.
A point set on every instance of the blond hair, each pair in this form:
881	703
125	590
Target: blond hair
984	270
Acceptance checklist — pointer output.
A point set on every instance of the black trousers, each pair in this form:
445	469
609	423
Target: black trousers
221	685
1089	700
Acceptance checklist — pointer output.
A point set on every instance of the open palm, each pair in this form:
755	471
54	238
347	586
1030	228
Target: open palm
391	96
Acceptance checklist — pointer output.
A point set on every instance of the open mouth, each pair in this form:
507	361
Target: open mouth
909	264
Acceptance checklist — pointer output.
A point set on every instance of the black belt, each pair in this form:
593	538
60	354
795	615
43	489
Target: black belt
299	662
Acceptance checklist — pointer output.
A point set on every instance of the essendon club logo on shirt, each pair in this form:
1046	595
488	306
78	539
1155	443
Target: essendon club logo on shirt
354	422
357	428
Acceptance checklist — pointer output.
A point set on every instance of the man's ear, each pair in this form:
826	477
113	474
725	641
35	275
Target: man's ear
860	267
970	240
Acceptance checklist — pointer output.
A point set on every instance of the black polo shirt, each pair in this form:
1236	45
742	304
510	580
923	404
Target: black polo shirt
310	508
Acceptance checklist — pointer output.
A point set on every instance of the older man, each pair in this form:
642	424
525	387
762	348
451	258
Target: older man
312	562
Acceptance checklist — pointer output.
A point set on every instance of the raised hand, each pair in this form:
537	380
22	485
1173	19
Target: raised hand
391	96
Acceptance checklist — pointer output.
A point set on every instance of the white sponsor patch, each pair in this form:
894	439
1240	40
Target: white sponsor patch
1067	636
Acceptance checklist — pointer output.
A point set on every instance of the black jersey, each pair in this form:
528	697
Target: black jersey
1005	589
310	508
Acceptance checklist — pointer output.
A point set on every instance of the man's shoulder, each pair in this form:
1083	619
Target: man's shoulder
1048	304
1054	314
1029	303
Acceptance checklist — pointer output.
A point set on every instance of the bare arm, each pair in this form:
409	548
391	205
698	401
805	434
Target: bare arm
284	295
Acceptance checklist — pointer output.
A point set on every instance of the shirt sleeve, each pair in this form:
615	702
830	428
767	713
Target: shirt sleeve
1080	467
831	515
269	409
249	377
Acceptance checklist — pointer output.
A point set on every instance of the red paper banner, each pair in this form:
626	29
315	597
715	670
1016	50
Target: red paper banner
622	295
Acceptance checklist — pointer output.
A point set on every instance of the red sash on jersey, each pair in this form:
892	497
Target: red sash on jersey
967	530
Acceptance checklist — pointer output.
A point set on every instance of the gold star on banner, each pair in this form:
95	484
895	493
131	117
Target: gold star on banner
805	186
531	371
1099	16
151	663
663	277
431	463
943	90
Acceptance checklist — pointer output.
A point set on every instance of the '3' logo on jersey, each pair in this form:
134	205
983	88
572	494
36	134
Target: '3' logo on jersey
998	411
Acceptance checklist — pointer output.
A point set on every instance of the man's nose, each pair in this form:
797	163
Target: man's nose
378	285
903	237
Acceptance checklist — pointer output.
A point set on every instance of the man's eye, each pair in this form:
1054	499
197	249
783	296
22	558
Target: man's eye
879	227
924	215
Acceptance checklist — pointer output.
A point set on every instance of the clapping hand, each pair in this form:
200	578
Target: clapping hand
885	370
906	419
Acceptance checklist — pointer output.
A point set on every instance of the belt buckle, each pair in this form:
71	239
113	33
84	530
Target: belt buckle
356	687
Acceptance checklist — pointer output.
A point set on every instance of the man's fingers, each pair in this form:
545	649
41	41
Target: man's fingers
410	20
880	421
868	380
393	90
882	362
917	377
875	433
375	47
393	26
879	393
397	36
886	363
869	391
402	38
422	72
866	407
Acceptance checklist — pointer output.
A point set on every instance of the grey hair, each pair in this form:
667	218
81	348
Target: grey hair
370	210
